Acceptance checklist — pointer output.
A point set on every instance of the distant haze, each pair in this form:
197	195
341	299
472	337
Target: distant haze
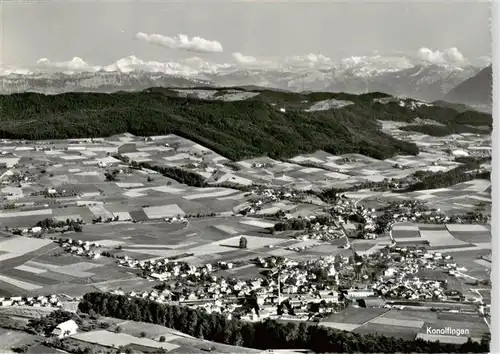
103	32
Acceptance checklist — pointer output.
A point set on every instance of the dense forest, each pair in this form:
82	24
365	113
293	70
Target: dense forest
268	334
236	129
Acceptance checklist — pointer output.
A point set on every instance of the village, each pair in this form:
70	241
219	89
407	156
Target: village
249	251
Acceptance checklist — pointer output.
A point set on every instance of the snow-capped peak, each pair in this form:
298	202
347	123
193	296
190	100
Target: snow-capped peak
366	65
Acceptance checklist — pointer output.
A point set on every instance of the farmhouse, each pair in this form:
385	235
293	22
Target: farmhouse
65	329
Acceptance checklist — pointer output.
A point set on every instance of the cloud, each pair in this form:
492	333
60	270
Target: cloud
318	58
202	65
248	60
245	59
448	56
74	65
308	61
182	42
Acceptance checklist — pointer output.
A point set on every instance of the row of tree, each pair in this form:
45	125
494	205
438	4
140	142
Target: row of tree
268	334
67	225
178	174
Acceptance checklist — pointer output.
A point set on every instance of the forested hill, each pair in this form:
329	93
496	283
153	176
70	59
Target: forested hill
273	123
475	90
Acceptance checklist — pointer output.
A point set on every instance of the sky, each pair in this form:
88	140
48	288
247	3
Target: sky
103	32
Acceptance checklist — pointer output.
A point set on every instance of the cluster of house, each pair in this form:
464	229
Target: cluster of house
301	248
344	208
221	295
323	233
416	211
35	230
37	301
411	289
81	248
299	277
10	176
266	195
300	285
165	269
230	297
416	275
261	165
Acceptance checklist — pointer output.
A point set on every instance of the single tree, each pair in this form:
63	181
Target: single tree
243	242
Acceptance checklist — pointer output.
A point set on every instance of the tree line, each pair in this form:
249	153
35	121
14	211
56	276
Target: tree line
439	130
440	179
180	175
301	223
267	334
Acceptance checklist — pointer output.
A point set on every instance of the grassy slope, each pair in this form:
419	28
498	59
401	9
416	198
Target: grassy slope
236	130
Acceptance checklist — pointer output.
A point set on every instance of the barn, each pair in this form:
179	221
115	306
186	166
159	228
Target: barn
65	329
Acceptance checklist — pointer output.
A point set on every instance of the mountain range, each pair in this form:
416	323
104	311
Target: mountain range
395	76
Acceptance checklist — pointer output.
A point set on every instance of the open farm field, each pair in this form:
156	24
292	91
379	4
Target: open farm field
465	243
25	311
444	236
405	324
199	236
355	316
175	341
126	209
458	199
10	339
110	339
404	332
48	269
70	182
82	166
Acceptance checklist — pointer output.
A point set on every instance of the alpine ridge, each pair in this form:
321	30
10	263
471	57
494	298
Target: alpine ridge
396	76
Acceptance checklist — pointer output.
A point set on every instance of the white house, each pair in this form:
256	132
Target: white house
65	329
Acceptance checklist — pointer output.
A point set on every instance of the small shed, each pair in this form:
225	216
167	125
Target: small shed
65	329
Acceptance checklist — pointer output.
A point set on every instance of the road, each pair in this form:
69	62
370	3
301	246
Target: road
481	302
357	201
466	276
